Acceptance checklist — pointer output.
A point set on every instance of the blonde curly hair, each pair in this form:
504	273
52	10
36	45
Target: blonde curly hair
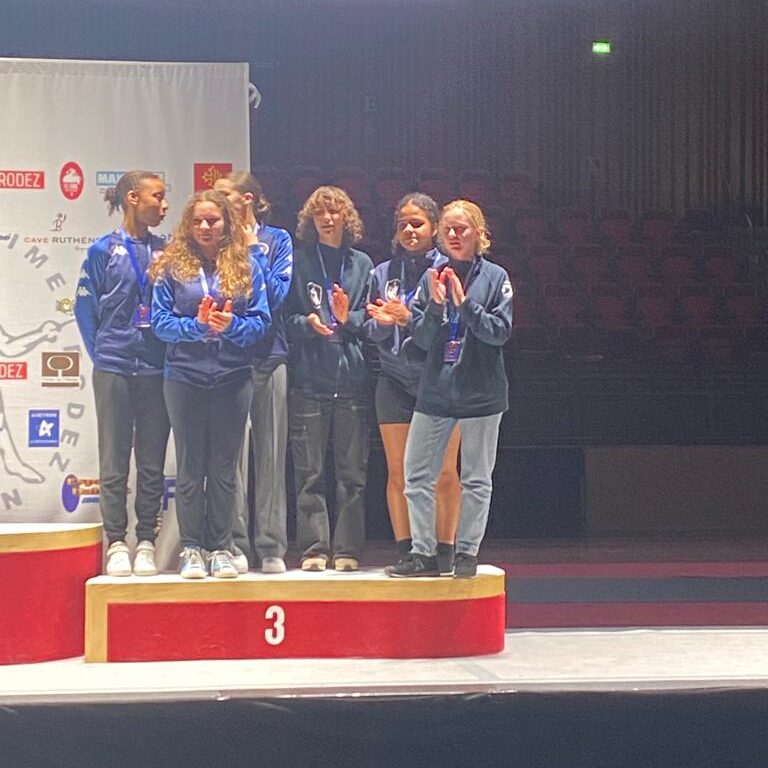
333	198
476	218
182	258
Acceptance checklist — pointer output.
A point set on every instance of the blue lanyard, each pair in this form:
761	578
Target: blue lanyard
141	276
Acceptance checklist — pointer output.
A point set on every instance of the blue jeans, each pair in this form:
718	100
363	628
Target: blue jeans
424	452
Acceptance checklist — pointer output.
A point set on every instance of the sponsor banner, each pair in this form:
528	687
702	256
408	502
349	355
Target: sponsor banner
207	174
22	179
13	371
52	179
43	429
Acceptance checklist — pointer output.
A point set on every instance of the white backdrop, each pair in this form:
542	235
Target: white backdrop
68	129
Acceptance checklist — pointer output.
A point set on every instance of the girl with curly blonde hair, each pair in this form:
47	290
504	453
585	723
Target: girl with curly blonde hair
210	306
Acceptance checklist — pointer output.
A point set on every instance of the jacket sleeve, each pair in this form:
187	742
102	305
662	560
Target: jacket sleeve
166	325
356	320
90	287
375	331
278	273
427	316
490	322
247	329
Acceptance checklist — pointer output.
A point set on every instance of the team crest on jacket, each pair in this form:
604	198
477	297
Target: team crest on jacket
315	293
506	289
392	289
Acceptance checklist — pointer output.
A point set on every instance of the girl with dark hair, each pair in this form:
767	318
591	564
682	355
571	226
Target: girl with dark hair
210	306
112	309
269	408
394	289
329	382
463	319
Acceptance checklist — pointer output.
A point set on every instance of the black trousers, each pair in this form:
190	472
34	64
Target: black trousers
208	426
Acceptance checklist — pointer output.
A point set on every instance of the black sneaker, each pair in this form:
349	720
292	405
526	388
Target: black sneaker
465	566
445	559
413	565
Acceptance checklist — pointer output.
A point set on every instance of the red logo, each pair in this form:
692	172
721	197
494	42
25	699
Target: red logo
71	181
22	179
207	174
13	371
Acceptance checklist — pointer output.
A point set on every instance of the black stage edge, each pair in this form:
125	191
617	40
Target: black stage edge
661	729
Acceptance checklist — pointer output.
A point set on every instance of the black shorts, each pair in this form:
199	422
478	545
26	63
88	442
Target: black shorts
394	403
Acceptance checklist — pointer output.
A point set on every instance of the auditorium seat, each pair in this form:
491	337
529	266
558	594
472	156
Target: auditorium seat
390	184
530	226
741	305
654	305
438	183
563	305
609	307
511	261
479	187
720	265
516	190
657	228
698	306
356	182
303	180
574	226
590	264
616	227
544	263
273	183
677	265
633	264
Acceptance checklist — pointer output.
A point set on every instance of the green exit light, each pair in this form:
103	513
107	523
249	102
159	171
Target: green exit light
601	47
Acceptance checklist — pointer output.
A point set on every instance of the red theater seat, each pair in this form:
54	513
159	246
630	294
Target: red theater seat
516	190
590	264
654	304
698	306
438	184
657	228
677	265
634	265
389	186
574	226
563	305
544	263
609	306
272	181
530	226
355	182
479	187
616	227
741	305
303	181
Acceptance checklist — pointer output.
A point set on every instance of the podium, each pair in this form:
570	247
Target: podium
43	571
294	615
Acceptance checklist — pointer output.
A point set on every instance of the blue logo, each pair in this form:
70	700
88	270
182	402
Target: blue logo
44	429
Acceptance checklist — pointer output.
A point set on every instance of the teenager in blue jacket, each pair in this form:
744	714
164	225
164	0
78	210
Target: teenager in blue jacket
464	320
394	289
112	309
329	381
210	307
269	408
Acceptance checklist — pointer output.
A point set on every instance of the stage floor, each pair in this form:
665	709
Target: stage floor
546	661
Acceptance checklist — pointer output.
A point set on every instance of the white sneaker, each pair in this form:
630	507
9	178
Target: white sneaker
144	562
273	565
240	562
221	565
192	564
118	559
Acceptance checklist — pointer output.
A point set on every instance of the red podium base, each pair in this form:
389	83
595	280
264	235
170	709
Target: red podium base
294	615
43	570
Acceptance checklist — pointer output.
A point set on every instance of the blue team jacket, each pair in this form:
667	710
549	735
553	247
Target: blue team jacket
195	355
107	297
400	359
476	385
275	257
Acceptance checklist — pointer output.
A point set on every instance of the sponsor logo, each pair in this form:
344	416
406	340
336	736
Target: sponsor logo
107	179
75	492
22	179
61	369
71	180
43	429
66	306
58	222
207	174
392	289
13	371
315	294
